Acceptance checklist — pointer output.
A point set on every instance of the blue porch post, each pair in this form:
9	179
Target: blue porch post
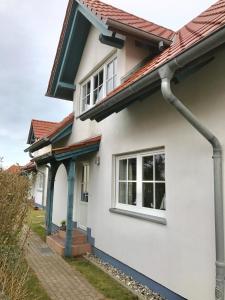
69	227
50	193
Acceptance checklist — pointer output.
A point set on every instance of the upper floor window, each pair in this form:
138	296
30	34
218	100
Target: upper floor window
99	84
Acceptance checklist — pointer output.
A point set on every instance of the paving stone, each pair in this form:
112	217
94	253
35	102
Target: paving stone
59	279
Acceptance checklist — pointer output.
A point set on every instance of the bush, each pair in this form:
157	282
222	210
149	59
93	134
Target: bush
14	206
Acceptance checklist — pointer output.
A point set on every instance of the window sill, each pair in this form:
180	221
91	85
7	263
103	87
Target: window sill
149	218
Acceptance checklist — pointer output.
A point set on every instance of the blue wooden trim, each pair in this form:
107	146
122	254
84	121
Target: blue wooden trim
76	153
70	198
50	193
153	285
67	85
94	20
90	239
62	134
74	22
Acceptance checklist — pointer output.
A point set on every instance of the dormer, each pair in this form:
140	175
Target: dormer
119	42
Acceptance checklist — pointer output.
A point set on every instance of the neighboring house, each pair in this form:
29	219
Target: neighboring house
40	132
135	172
14	169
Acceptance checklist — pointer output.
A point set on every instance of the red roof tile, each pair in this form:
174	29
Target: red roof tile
29	167
81	144
198	29
59	126
14	169
42	128
106	12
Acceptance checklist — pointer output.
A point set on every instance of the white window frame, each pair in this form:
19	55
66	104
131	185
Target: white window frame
138	208
91	79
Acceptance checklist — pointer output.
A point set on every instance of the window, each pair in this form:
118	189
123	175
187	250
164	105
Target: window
84	183
86	95
40	181
99	85
111	75
140	181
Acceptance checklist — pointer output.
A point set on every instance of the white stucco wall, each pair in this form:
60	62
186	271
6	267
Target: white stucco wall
60	196
181	254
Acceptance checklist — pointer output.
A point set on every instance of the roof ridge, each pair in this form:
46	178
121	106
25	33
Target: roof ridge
131	14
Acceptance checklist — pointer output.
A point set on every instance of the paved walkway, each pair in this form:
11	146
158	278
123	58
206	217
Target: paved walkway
59	279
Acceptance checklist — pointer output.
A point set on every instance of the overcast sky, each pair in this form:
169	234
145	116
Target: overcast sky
29	31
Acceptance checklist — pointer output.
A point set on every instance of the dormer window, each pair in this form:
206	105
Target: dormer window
99	84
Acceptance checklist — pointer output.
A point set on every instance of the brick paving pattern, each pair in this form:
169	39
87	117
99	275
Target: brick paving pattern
58	278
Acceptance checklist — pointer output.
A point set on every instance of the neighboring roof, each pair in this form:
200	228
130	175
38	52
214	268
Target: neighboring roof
78	145
207	23
53	133
29	167
61	83
108	13
14	169
42	128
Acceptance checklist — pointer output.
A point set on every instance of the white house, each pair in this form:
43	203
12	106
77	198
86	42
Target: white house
136	171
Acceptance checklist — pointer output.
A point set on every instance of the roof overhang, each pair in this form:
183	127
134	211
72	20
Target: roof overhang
74	151
188	61
73	38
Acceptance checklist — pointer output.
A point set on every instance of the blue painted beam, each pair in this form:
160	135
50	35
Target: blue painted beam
76	153
50	193
70	198
94	20
62	134
74	22
66	85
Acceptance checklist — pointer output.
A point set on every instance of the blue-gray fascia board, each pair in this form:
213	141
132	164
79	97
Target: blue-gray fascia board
103	28
66	85
62	134
76	153
66	50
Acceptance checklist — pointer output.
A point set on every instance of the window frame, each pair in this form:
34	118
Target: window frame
139	187
84	184
105	81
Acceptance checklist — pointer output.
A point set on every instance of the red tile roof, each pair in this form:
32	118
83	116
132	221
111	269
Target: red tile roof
42	128
81	144
198	29
29	167
14	169
59	126
106	12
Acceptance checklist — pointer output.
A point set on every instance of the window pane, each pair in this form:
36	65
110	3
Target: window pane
160	196
95	95
100	95
109	85
101	77
122	192
132	193
110	70
88	87
132	169
160	167
95	81
148	199
148	168
84	91
123	169
88	100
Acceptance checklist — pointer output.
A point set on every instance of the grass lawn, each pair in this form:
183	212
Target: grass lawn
36	222
34	288
110	288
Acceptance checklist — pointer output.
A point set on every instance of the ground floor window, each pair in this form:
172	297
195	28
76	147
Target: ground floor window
140	181
84	182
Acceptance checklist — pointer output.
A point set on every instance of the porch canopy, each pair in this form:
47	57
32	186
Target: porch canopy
67	156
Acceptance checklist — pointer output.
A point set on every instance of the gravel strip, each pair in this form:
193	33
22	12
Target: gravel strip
138	289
